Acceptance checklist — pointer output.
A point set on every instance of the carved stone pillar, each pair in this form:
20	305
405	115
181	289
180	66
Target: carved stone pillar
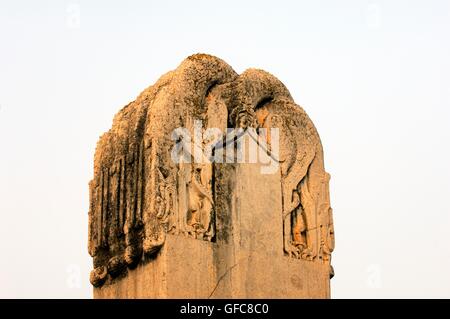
180	209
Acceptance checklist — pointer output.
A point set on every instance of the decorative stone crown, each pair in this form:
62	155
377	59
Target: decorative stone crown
139	193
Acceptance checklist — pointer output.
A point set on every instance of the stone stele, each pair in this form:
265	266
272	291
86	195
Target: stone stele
201	228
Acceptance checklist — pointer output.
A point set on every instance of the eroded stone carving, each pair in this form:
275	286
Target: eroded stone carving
308	230
139	194
200	201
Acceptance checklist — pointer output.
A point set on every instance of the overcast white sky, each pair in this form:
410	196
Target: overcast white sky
373	75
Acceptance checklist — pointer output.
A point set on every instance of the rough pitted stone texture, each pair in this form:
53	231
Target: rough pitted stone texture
159	228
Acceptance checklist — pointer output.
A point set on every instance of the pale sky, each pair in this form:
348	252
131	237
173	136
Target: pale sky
374	76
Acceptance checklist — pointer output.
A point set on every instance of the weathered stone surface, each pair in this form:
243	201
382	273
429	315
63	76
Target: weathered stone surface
189	269
198	228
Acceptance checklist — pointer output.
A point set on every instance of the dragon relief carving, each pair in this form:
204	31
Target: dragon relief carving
260	100
196	179
307	219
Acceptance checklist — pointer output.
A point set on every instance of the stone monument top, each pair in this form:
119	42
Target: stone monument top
211	184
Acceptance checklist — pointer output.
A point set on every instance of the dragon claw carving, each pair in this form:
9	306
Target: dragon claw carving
98	276
152	246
